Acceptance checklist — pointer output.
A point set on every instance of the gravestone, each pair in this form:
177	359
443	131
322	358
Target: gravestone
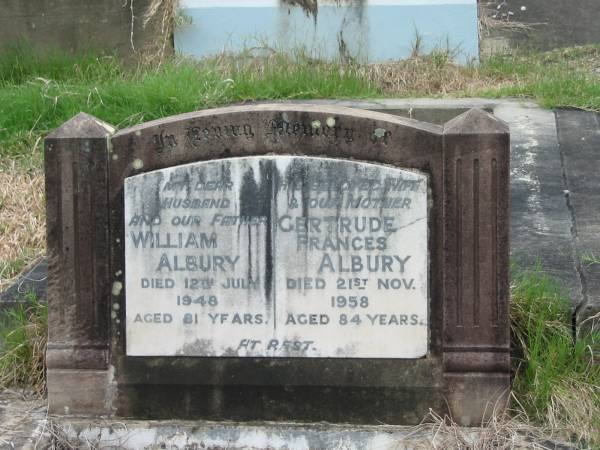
279	262
372	31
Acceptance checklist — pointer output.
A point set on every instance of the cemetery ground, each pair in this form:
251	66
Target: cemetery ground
557	378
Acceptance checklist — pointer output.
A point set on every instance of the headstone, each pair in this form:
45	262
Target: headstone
279	262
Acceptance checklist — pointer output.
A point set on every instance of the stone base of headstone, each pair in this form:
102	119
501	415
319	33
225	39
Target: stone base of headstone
26	425
184	435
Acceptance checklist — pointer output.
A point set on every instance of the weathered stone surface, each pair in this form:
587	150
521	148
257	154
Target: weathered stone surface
467	249
277	256
24	420
276	383
27	426
541	220
82	392
77	239
476	290
579	137
545	24
183	435
108	26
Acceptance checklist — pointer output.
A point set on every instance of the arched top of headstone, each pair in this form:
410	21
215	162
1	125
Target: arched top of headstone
282	129
269	108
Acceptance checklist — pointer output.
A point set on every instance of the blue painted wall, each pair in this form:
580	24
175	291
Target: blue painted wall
372	31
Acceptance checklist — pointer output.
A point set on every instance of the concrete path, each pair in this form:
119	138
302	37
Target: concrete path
579	139
555	189
23	421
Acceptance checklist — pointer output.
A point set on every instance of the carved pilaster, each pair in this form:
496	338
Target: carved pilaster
476	341
76	160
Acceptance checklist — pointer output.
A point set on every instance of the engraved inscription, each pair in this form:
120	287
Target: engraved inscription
195	136
278	128
164	141
277	256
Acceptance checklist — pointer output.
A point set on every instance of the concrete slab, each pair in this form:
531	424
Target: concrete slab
22	420
579	138
546	24
25	424
540	219
130	435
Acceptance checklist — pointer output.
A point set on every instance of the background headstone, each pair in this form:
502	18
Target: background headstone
362	30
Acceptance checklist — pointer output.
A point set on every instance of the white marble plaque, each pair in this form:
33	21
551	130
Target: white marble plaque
277	256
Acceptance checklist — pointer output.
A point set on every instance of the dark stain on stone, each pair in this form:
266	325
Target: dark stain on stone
150	193
200	347
298	174
258	200
311	7
249	206
181	179
225	171
250	203
269	183
229	351
305	190
249	250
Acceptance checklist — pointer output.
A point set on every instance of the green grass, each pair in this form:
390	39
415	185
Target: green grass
553	87
568	77
15	265
33	102
20	64
590	259
39	93
23	337
557	382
